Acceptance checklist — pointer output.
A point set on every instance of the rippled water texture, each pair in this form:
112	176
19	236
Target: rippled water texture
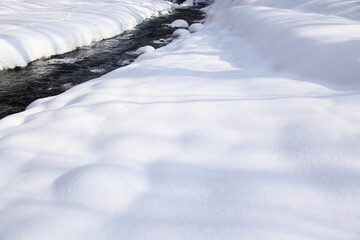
47	77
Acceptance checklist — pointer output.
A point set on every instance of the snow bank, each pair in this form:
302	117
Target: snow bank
201	139
344	8
313	45
30	30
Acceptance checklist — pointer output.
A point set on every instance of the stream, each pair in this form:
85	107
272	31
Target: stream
48	77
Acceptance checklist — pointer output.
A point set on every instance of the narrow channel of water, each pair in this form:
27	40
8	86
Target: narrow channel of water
47	77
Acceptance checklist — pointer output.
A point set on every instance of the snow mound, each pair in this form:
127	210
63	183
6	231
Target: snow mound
180	32
195	27
180	23
145	49
100	186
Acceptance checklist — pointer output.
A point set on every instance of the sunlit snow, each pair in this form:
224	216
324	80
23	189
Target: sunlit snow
248	129
179	32
32	29
180	23
145	49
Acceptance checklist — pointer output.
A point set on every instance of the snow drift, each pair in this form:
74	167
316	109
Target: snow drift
310	44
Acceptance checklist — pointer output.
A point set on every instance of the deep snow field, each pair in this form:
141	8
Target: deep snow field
247	129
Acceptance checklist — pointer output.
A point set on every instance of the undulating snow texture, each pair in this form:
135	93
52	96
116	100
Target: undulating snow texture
202	139
315	43
32	29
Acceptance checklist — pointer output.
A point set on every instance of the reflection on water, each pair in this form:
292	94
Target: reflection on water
47	77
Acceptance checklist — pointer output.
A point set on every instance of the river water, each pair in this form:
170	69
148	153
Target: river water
47	77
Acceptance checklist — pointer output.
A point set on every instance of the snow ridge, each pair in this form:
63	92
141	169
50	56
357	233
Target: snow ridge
313	45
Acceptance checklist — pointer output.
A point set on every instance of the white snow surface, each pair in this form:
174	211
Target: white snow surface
145	49
32	29
180	32
313	45
179	23
196	27
248	129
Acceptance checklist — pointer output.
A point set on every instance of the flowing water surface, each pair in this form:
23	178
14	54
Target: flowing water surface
47	77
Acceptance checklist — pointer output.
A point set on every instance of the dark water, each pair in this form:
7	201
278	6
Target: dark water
47	77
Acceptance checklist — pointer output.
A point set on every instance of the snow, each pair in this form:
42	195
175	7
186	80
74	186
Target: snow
248	129
187	3
180	23
196	27
145	49
180	32
312	45
33	29
110	186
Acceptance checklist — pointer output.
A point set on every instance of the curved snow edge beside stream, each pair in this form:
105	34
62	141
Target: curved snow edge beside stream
42	29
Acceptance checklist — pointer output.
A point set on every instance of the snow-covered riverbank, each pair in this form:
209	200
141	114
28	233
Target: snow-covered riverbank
30	30
215	136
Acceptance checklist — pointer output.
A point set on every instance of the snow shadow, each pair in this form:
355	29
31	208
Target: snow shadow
16	44
189	201
307	47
